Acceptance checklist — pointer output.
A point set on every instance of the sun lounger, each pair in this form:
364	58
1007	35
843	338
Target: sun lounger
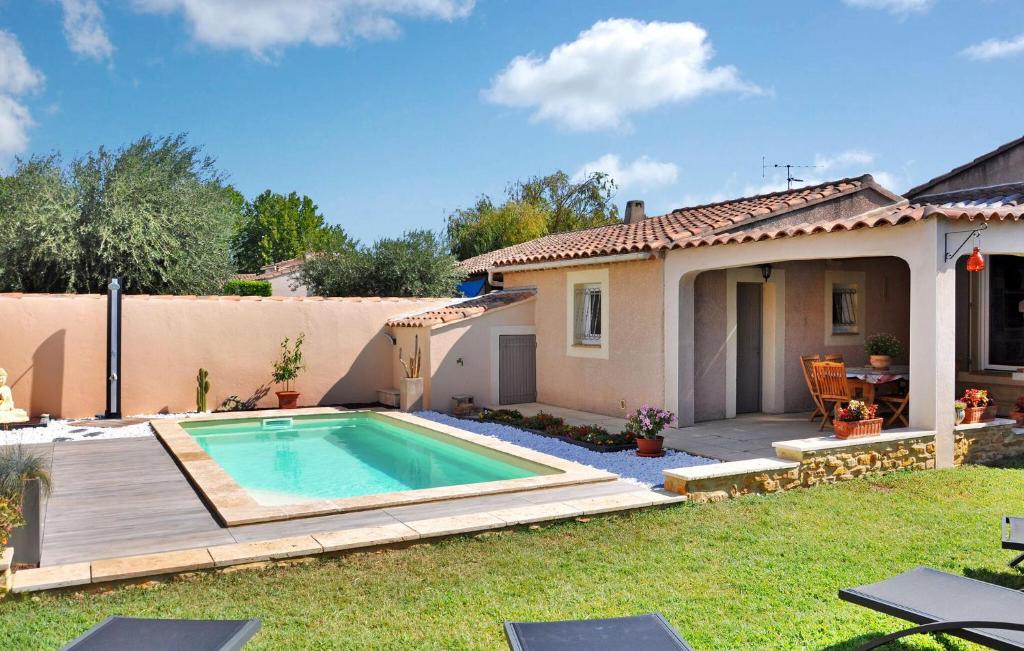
131	634
981	612
647	632
1013	537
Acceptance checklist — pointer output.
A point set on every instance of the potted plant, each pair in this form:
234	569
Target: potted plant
646	424
287	369
1018	411
24	484
410	393
960	409
857	419
979	406
881	348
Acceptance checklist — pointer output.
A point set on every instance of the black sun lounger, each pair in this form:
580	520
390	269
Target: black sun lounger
987	614
1013	537
130	634
647	632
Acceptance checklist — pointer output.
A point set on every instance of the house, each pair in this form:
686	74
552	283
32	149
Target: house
707	310
283	276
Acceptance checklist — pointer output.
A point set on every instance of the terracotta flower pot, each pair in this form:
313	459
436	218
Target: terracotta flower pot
974	415
650	447
880	362
287	399
858	428
990	413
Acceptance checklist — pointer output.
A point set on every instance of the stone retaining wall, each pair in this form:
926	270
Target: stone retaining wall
842	464
987	443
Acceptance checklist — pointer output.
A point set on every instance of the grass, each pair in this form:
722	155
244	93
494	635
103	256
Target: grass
757	572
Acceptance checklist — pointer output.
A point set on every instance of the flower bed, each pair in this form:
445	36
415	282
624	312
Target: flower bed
625	464
591	437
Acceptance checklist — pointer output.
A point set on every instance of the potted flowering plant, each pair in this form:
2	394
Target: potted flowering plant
980	407
881	348
287	369
1018	411
857	419
646	424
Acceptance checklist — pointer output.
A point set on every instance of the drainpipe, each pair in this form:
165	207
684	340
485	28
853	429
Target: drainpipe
114	292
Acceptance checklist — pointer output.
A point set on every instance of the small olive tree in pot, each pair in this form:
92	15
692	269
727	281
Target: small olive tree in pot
287	369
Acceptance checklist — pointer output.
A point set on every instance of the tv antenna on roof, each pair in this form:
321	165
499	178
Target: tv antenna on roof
790	179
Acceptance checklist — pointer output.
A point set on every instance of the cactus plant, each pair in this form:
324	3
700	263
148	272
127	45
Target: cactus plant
412	367
202	389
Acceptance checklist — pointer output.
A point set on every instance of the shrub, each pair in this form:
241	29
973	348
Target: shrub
236	287
543	422
17	466
10	518
506	416
598	435
883	344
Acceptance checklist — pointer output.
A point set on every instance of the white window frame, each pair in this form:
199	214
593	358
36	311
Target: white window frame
857	281
984	324
584	318
577	285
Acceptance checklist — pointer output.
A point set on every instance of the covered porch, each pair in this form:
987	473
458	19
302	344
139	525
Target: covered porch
903	283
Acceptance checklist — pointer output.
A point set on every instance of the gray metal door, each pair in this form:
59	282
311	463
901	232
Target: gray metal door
517	369
748	347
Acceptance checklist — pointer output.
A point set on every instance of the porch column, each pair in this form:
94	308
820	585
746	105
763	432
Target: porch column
933	340
684	318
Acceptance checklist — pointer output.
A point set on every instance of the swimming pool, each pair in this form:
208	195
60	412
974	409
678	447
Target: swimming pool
299	463
286	460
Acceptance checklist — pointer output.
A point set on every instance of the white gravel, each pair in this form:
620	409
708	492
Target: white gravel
625	464
70	430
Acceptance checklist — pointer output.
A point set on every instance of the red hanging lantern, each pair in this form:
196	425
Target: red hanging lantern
976	262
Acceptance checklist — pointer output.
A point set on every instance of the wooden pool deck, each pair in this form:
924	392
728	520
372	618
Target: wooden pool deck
122	498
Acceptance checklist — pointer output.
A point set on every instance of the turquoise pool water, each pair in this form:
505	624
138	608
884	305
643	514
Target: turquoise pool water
279	461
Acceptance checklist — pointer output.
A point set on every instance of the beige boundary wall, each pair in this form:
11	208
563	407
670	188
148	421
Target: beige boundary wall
53	347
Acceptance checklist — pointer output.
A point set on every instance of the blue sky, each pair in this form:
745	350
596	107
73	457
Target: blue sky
392	114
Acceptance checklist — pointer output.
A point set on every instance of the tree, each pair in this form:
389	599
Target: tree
275	227
532	208
416	264
155	213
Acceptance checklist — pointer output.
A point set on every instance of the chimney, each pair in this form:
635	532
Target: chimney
634	211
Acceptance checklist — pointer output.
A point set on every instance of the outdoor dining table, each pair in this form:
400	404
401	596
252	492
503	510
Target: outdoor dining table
865	379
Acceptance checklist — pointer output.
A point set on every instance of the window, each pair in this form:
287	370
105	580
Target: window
844	303
587	310
1004	316
844	309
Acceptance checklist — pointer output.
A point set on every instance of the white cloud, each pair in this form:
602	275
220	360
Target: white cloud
84	29
17	77
896	7
995	48
615	68
643	173
262	25
844	160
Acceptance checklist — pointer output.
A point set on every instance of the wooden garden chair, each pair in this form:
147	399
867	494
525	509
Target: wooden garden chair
833	391
898	405
805	364
835	357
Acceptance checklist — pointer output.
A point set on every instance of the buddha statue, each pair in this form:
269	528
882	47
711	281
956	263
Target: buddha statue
8	412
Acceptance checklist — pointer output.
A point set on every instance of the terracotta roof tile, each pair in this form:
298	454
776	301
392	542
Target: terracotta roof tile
665	231
462	309
915	193
998	203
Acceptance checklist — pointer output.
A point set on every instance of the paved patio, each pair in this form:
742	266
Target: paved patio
736	439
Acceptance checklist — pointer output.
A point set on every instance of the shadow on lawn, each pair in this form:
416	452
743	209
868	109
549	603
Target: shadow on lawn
1008	578
944	641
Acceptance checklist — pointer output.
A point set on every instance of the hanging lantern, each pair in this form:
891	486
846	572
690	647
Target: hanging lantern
976	262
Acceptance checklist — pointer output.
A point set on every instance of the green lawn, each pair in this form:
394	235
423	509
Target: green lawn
753	573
